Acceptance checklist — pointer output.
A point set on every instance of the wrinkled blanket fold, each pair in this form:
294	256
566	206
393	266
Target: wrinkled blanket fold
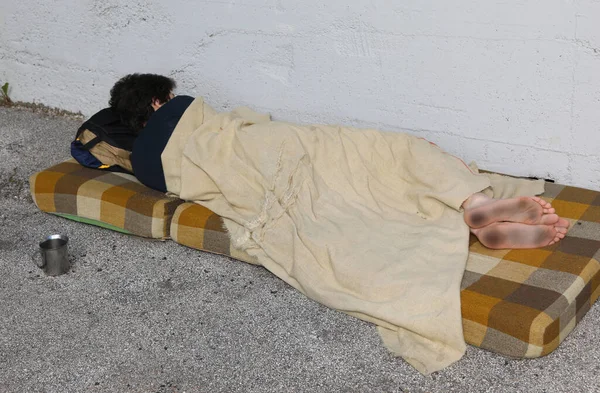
363	221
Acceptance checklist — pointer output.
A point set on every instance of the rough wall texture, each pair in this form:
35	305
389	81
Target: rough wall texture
511	84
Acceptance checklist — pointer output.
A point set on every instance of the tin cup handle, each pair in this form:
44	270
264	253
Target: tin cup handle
39	258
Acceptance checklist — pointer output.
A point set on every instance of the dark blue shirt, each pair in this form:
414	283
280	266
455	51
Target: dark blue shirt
152	140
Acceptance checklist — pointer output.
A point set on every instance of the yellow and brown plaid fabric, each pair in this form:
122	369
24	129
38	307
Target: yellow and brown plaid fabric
116	199
197	227
520	303
523	303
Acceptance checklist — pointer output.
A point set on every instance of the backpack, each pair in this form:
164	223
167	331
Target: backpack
104	142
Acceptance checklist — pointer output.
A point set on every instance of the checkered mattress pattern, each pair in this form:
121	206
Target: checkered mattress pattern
523	303
197	227
103	198
520	303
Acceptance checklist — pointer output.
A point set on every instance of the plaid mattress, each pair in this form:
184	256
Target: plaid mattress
520	303
103	198
523	303
197	227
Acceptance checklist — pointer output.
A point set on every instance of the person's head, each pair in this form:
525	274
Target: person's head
136	96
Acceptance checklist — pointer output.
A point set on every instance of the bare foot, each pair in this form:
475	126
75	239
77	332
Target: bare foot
517	235
481	211
562	223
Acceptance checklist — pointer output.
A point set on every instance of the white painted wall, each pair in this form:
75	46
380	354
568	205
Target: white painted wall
512	84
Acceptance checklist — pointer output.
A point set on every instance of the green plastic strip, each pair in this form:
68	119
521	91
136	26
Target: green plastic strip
92	222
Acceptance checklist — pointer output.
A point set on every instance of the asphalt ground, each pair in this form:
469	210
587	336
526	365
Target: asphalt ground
136	315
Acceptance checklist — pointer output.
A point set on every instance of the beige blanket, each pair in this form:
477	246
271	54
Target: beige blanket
363	221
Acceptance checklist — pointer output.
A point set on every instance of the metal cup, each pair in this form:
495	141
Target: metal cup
54	256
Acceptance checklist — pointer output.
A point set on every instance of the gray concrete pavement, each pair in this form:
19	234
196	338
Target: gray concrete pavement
136	315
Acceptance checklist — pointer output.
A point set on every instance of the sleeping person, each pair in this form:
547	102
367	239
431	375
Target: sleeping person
137	99
132	122
372	223
146	102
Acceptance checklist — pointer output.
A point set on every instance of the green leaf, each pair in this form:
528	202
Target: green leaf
5	89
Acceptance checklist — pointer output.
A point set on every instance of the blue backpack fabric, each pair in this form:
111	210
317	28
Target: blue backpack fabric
107	127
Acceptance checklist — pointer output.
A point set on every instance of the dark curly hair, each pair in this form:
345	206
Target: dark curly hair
131	97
